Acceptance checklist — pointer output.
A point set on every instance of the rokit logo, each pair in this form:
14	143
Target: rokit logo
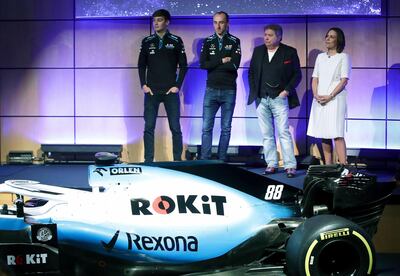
183	204
151	243
28	259
125	170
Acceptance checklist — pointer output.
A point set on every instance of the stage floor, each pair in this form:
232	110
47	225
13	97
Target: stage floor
76	176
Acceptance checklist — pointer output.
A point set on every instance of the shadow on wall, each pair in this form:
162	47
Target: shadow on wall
196	50
245	80
392	88
312	56
377	110
133	126
192	95
306	103
194	79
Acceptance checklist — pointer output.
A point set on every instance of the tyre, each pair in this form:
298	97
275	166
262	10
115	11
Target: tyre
329	245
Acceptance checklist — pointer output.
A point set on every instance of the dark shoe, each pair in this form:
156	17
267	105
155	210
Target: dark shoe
290	172
270	170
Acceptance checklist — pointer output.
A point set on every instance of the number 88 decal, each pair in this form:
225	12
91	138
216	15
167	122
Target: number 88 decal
274	192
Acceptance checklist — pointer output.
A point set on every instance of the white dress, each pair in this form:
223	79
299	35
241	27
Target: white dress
327	121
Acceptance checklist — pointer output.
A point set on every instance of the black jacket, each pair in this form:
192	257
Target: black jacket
158	62
221	75
286	62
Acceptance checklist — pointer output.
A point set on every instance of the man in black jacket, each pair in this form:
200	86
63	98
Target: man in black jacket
273	77
159	57
220	56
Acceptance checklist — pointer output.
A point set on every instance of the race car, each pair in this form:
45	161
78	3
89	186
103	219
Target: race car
195	218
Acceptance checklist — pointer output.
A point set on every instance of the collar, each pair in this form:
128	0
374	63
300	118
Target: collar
330	56
161	38
223	35
277	48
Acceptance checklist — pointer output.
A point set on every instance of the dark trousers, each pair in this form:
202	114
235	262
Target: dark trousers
172	107
213	100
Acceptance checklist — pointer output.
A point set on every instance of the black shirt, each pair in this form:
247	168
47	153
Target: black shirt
158	62
271	76
221	75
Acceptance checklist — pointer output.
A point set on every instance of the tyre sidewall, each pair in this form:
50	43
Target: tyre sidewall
309	241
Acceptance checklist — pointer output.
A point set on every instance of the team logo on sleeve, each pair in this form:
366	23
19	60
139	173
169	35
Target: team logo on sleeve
238	51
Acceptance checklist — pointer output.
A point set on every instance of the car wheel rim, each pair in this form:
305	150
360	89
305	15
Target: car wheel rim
339	258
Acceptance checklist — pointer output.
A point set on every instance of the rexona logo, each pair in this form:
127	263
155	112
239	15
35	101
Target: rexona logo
182	204
153	243
28	259
125	170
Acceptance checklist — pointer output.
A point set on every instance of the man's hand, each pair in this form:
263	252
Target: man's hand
147	89
173	90
284	94
226	59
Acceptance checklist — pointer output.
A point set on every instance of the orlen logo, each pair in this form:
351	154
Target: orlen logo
100	171
125	170
183	204
28	259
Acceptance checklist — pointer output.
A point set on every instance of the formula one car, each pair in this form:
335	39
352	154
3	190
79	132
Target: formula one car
193	218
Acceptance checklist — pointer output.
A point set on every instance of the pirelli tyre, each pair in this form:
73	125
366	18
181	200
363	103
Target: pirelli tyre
329	245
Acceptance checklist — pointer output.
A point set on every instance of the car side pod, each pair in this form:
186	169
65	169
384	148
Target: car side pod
329	245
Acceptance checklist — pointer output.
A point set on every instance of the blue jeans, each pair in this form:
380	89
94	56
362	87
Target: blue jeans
213	100
172	107
276	109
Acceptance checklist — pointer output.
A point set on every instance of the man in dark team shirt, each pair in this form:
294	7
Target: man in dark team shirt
220	56
159	57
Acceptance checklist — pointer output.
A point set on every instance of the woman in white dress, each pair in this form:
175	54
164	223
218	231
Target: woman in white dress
328	110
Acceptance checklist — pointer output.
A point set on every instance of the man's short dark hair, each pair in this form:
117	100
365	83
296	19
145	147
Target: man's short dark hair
276	28
224	13
162	13
340	39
